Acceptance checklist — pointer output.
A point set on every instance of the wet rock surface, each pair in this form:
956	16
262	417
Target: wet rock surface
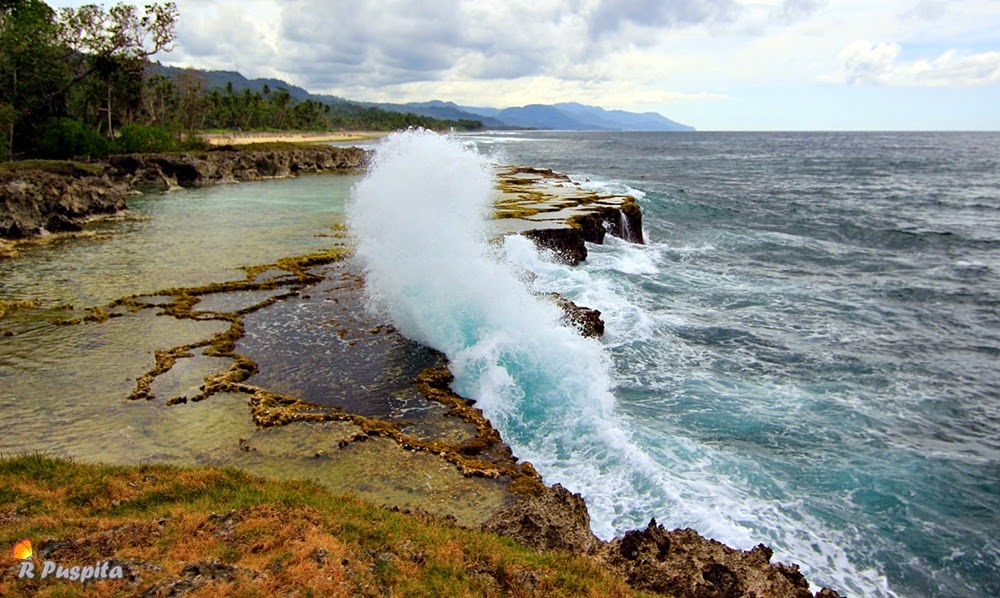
559	214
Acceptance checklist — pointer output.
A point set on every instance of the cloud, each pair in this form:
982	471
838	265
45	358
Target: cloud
611	16
866	63
794	10
391	42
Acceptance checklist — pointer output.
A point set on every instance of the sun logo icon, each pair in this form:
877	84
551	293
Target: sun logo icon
22	549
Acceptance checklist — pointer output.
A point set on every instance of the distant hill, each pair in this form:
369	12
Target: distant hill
568	116
541	116
442	110
578	117
620	120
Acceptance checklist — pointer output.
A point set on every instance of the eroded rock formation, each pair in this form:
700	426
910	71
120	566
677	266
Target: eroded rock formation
561	215
33	202
678	563
171	171
36	201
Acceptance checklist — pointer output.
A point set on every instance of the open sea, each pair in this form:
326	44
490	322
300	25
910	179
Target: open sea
806	353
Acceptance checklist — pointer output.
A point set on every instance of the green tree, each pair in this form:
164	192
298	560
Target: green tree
33	64
114	46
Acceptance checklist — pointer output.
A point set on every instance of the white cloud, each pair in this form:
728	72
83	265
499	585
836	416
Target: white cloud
878	63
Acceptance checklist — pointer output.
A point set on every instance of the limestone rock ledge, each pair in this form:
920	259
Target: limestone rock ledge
171	171
53	199
559	214
33	202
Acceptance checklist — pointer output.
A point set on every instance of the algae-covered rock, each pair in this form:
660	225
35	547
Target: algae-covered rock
559	214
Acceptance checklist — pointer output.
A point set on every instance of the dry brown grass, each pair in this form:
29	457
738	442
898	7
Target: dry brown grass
215	532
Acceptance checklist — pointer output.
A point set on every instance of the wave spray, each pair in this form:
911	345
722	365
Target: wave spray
419	223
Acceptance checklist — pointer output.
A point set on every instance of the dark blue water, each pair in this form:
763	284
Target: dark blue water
808	347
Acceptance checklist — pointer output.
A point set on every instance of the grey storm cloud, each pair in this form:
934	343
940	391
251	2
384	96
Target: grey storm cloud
391	42
394	41
612	15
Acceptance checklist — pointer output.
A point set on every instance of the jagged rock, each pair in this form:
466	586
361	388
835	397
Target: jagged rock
170	171
683	563
587	320
33	202
555	519
559	214
566	243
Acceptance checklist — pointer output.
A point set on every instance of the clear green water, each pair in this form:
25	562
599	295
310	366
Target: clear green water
63	388
183	238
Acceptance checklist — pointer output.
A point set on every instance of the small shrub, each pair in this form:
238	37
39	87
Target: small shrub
141	139
66	138
194	143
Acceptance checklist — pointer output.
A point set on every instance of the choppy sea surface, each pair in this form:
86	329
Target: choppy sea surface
806	353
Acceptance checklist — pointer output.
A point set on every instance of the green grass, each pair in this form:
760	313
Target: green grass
267	526
64	167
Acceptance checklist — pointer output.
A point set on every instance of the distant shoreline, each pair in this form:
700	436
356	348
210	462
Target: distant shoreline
236	138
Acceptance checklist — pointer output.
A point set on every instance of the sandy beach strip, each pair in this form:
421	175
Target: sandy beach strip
239	138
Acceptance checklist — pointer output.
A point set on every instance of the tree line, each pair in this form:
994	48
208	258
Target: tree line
183	101
79	82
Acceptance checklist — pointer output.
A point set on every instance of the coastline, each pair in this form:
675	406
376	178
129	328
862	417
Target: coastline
545	518
39	198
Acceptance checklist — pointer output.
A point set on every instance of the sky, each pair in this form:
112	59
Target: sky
711	64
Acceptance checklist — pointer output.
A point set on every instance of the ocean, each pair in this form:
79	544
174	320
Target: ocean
804	354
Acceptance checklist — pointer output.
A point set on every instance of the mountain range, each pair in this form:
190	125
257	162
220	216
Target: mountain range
568	116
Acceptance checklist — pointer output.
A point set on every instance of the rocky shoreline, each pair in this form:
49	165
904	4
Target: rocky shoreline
56	198
562	216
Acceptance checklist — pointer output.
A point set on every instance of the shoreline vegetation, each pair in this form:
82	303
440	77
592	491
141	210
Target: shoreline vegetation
179	529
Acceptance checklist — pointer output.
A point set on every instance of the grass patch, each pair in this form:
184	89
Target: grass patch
63	167
260	536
